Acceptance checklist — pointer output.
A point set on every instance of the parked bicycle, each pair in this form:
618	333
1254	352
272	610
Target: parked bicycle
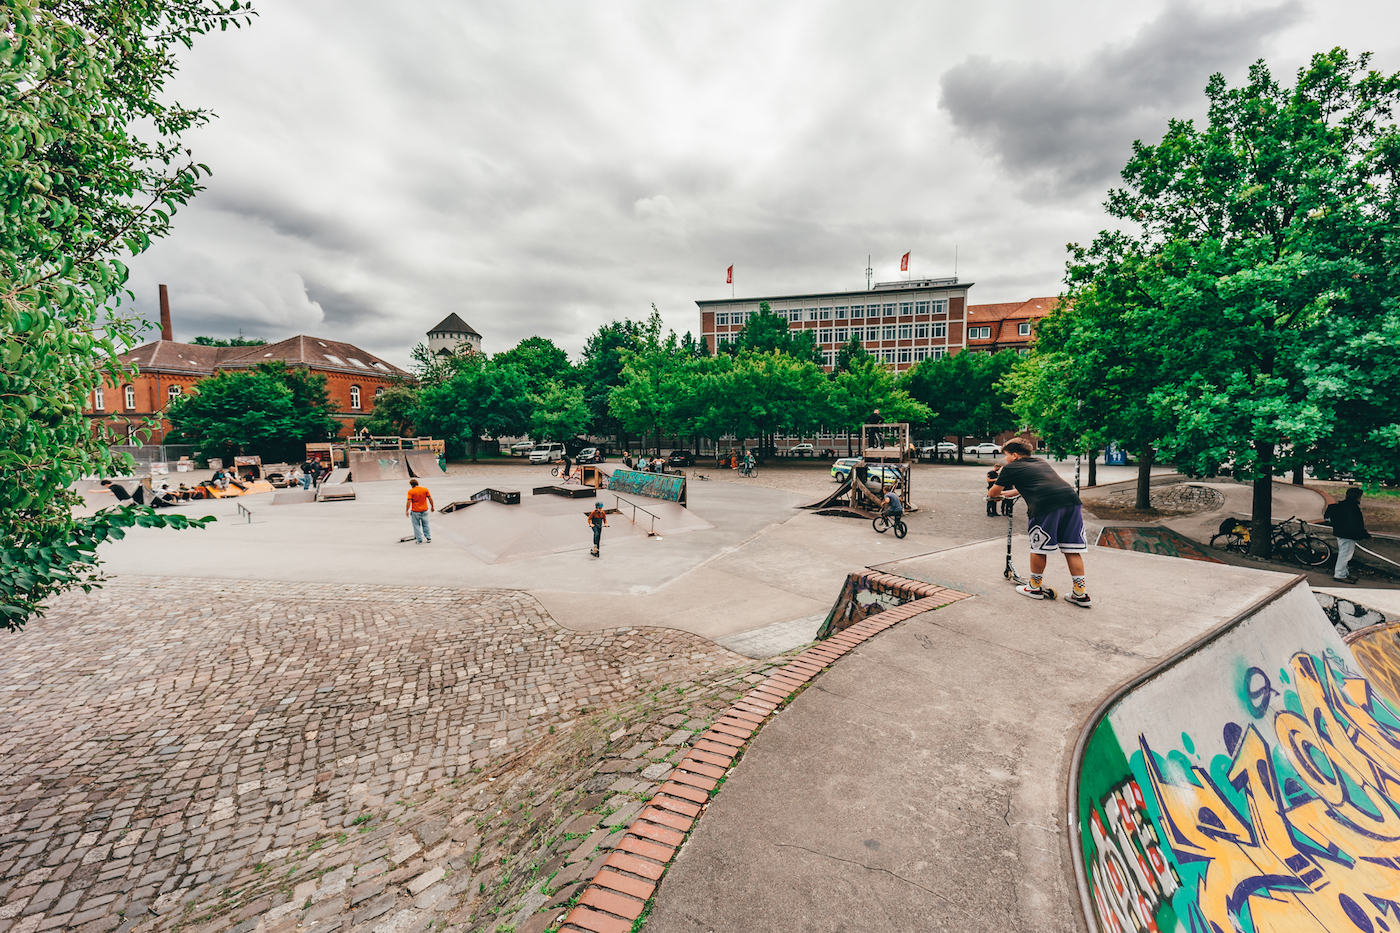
885	521
1288	542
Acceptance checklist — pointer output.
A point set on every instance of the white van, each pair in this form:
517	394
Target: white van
547	453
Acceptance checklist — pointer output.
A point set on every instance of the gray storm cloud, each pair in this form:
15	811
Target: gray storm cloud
1065	127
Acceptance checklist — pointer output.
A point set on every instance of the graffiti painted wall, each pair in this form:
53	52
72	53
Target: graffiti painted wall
1252	786
1153	540
668	486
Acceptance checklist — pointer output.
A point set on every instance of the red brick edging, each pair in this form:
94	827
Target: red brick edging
618	894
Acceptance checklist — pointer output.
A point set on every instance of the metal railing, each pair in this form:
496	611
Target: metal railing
244	510
635	509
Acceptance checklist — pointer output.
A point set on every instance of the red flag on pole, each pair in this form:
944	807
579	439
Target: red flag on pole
729	276
904	263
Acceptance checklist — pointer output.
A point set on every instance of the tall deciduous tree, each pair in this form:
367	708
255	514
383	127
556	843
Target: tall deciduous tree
865	387
93	169
393	412
559	412
479	398
769	332
1272	235
270	410
964	394
539	361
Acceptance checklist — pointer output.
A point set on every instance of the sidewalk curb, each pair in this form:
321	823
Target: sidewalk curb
624	886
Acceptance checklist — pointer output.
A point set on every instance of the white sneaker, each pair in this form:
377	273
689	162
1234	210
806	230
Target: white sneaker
1079	600
1033	593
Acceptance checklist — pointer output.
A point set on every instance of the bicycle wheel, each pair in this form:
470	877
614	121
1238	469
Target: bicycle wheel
1312	552
1229	541
554	472
900	529
880	523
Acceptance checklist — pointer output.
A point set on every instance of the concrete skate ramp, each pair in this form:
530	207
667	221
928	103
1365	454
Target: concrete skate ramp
338	475
294	496
422	463
920	783
375	465
1152	539
494	532
1252	782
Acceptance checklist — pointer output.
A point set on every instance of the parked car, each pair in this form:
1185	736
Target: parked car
939	449
590	455
680	458
888	474
981	449
802	450
547	453
842	468
522	449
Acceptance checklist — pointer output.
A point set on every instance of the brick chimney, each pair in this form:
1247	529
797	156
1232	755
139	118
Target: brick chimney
165	332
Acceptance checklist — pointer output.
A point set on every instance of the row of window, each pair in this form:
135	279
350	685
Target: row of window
938	330
898	355
843	312
99	402
985	333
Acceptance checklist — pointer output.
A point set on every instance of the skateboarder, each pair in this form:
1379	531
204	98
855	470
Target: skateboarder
419	504
1055	520
597	518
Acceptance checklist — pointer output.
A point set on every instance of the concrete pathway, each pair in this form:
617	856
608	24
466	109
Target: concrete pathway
920	783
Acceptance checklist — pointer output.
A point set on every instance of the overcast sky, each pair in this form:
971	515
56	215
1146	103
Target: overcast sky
544	168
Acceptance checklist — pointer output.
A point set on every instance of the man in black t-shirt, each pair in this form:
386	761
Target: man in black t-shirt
1055	519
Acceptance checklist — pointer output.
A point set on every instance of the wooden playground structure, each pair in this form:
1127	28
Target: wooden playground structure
883	446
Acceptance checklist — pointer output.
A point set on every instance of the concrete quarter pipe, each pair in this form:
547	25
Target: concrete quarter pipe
372	466
1250	783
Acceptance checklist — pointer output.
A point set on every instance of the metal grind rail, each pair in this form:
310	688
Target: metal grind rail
244	510
635	509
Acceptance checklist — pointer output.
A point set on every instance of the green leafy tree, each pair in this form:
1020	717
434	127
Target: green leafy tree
768	332
851	354
270	410
479	398
600	371
855	394
393	413
560	412
763	394
540	361
93	169
965	394
1272	237
228	342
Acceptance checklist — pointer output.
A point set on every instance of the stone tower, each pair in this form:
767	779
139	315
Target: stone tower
450	333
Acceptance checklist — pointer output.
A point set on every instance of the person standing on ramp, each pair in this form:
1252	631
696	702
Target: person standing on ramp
420	502
1055	519
597	518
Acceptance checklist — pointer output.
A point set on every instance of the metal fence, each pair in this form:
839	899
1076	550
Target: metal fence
147	454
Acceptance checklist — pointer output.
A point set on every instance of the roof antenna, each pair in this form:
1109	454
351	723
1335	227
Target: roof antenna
868	272
955	261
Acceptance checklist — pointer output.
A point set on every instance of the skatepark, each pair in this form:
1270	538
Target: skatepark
1196	750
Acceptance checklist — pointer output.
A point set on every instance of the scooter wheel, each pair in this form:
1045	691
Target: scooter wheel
1049	593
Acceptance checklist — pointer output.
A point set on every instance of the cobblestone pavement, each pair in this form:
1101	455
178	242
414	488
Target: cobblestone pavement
167	739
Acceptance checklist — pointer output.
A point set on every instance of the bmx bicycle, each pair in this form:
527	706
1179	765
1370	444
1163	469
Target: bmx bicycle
885	521
1287	542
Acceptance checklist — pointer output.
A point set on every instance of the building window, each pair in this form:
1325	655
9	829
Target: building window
811	314
906	307
889	308
940	306
921	307
722	320
830	357
795	316
841	335
1022	351
378	392
354	396
906	332
939	352
97	403
979	333
1024	328
826	314
174	392
840	312
905	354
825	335
920	354
890	332
857	311
130	393
920	330
872	334
940	329
887	356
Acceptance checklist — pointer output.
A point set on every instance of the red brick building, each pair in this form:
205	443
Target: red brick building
167	370
1007	326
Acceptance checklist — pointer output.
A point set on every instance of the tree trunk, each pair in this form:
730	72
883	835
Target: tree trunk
1261	524
1144	478
1298	475
962	438
1093	468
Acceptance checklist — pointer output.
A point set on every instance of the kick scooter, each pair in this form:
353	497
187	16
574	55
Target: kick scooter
1009	504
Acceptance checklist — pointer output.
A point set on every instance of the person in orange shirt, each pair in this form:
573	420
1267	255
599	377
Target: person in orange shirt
420	503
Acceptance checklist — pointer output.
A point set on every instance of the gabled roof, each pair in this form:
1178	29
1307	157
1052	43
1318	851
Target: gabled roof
1012	310
452	324
315	352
